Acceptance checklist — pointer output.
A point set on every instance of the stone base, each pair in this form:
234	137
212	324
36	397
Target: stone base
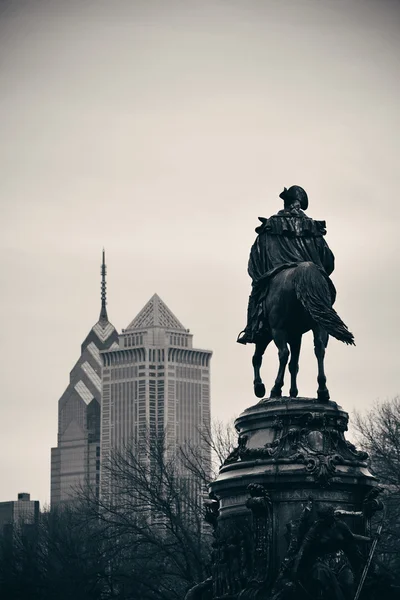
292	458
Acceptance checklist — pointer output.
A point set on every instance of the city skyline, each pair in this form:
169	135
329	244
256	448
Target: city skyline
162	131
145	380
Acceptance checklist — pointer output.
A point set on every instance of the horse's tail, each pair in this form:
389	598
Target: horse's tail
313	292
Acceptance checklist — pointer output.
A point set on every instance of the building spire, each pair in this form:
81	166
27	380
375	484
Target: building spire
103	312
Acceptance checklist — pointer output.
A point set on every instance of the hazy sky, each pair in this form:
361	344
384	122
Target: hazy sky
162	130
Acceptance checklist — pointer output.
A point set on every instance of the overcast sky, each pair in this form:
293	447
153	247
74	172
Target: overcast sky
162	130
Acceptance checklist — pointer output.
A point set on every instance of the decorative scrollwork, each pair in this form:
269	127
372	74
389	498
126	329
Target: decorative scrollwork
320	466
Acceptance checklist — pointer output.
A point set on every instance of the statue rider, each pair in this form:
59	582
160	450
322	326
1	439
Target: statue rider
284	240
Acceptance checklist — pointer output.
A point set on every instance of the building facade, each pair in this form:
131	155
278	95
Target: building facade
23	511
154	383
75	462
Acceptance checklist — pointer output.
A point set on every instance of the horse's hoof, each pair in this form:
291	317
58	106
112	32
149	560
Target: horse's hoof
259	390
323	395
293	393
276	393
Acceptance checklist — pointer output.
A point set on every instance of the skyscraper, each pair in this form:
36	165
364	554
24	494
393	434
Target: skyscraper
75	461
154	383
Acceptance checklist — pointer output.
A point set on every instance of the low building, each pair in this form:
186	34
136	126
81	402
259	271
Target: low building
22	511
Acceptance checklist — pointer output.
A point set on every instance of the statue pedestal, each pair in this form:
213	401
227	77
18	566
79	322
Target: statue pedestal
292	461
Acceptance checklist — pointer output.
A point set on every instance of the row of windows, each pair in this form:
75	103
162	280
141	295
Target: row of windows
139	355
156	373
124	373
178	340
132	355
133	340
191	357
188	373
156	355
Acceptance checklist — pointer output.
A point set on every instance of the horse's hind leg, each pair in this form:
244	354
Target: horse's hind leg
294	344
283	352
259	387
320	343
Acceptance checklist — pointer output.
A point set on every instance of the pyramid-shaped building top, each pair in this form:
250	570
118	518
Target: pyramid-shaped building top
156	314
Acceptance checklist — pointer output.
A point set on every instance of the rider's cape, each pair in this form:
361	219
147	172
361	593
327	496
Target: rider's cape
285	240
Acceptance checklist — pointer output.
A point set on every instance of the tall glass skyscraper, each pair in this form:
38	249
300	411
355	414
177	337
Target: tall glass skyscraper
154	383
75	462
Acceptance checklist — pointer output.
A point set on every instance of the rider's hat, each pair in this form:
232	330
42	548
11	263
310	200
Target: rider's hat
295	192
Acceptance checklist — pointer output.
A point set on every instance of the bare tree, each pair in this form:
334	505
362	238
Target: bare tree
378	432
217	443
145	540
222	439
153	515
58	557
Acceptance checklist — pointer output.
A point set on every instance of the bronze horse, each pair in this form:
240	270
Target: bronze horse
298	300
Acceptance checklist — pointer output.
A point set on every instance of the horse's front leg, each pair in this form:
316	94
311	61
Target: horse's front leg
320	343
294	344
283	353
259	387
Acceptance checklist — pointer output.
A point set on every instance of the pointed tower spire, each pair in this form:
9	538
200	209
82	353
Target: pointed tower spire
103	312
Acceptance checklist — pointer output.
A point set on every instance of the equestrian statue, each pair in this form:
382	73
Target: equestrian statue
292	293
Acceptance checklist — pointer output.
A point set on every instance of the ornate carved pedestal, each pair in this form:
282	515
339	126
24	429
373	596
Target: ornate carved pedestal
292	462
